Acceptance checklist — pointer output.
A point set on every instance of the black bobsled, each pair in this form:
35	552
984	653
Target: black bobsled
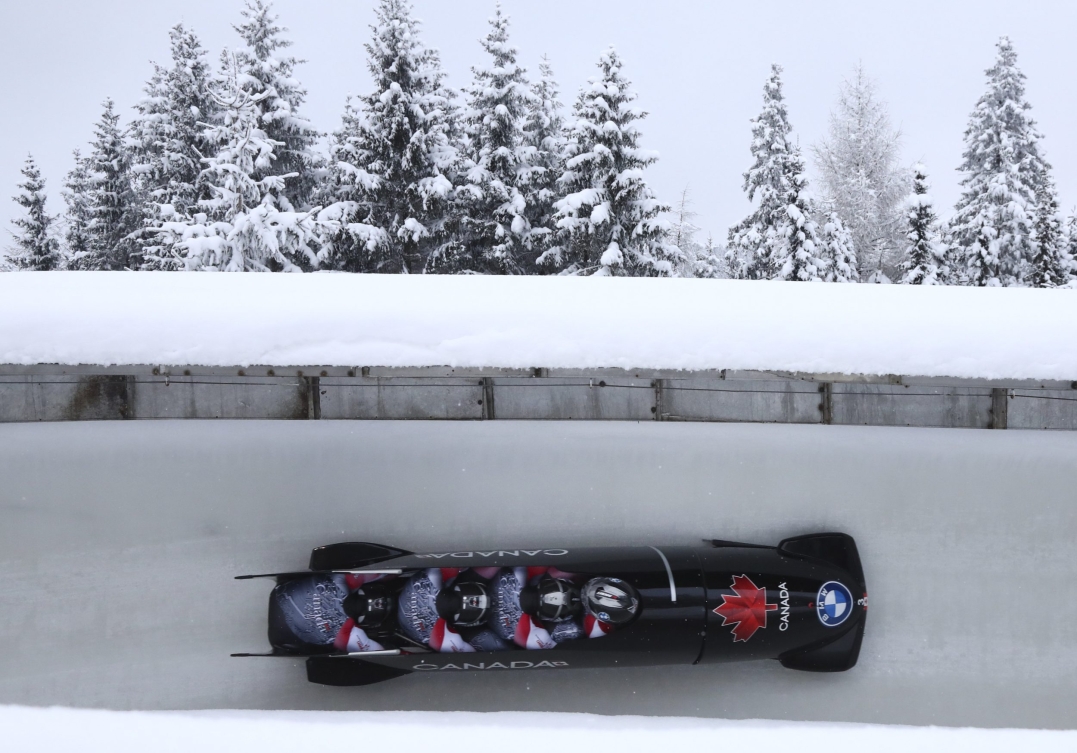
365	613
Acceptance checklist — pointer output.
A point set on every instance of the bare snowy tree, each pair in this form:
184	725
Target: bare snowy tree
861	178
683	233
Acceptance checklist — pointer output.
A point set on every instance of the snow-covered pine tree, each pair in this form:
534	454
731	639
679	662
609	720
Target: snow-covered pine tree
837	250
860	175
169	140
778	239
800	254
610	219
494	229
78	215
269	76
545	132
1049	265
248	224
1070	244
113	206
993	221
395	155
35	245
924	260
711	263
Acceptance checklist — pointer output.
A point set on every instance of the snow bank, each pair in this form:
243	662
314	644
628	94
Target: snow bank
64	730
524	322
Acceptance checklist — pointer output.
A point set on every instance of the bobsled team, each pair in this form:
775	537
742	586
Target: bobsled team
457	610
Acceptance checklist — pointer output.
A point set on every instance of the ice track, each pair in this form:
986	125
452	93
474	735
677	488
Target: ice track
118	543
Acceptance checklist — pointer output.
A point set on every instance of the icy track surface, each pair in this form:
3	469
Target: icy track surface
525	322
119	541
63	730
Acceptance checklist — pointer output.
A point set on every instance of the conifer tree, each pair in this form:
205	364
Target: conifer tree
78	215
269	77
113	207
395	155
800	251
778	239
545	133
610	219
993	221
1049	265
1070	245
711	262
860	175
35	246
494	227
924	259
837	251
169	138
248	224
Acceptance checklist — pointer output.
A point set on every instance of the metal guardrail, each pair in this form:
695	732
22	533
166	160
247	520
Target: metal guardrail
74	393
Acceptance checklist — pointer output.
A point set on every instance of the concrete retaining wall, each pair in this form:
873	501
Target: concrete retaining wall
59	393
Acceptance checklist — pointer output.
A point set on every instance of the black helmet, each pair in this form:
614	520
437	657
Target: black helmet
552	599
610	600
463	604
369	606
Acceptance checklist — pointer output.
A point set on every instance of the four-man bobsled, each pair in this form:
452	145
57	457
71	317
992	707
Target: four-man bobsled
365	613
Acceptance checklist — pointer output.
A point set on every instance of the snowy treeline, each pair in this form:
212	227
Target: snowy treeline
219	170
875	220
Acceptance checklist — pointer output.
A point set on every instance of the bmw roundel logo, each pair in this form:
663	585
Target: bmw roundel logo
834	604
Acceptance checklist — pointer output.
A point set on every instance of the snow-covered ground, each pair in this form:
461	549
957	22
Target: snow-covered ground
63	730
524	322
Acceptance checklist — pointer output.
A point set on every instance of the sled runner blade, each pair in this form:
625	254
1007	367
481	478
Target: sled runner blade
353	555
347	672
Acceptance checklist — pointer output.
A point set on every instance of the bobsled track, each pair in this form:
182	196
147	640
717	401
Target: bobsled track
118	543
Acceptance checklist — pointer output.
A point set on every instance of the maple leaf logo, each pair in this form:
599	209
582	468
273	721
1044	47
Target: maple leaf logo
747	611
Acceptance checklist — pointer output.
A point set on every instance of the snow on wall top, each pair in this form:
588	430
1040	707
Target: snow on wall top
104	318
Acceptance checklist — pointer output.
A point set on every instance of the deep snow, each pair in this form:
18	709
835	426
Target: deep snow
524	322
63	730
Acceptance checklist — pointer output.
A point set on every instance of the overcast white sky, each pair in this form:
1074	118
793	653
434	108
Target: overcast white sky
697	65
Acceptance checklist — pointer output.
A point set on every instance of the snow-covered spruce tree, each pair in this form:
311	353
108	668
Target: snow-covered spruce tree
169	143
993	221
113	206
545	132
77	215
860	176
1070	244
248	224
609	218
799	254
1049	266
269	77
779	233
711	261
35	246
394	157
924	259
494	229
837	250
